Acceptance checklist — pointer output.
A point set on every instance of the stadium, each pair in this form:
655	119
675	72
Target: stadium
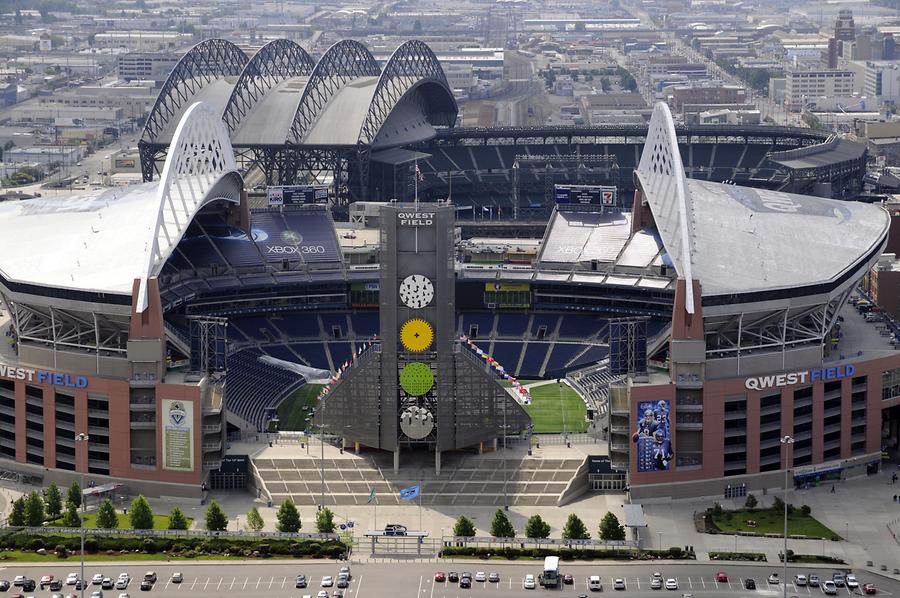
700	321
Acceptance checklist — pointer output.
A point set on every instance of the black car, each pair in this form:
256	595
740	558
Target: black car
146	585
465	582
452	577
749	584
4	585
29	585
55	585
568	579
301	581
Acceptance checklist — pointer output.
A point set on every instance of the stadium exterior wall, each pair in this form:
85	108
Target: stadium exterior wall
709	478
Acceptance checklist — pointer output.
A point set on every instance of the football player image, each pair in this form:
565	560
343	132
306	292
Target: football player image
662	451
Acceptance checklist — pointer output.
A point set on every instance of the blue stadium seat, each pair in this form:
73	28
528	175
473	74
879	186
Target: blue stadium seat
562	353
506	354
594	354
252	387
484	321
365	323
578	326
544	320
313	353
299	325
512	325
340	352
534	359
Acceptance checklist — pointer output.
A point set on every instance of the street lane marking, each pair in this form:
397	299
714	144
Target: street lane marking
233	579
219	585
195	583
690	584
245	583
419	591
283	581
206	584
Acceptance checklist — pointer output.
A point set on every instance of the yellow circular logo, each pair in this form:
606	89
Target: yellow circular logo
416	335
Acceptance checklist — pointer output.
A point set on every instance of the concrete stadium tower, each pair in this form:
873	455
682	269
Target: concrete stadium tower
418	386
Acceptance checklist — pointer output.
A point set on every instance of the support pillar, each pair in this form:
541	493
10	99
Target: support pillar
437	462
397	460
494	443
356	447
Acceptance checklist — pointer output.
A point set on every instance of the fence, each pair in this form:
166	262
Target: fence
560	439
178	533
489	541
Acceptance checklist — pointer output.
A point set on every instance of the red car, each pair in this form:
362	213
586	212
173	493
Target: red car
439	576
721	576
869	588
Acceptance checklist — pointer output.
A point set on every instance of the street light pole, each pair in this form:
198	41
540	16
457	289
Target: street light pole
82	438
787	441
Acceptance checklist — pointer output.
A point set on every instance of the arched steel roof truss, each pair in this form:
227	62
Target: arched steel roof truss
344	61
412	65
272	64
209	60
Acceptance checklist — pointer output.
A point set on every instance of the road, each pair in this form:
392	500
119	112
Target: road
416	580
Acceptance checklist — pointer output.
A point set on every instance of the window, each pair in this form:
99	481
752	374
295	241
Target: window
890	384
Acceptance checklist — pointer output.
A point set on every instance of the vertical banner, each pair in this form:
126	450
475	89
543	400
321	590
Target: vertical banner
653	436
178	435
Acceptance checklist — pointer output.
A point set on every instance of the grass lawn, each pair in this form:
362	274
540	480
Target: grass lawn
557	408
772	522
291	416
90	520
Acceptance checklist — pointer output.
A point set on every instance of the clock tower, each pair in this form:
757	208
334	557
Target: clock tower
421	388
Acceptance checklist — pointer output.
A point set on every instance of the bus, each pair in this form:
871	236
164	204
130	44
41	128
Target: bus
550	578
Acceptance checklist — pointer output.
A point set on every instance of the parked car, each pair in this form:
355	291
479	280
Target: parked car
829	587
480	576
453	577
671	584
45	580
97	579
568	579
494	577
749	584
327	581
774	579
529	582
869	588
177	577
838	579
301	581
618	584
656	583
722	577
800	580
851	581
813	580
440	577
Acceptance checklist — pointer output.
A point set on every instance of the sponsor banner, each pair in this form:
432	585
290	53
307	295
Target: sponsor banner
600	464
598	195
296	195
415	218
653	436
43	377
235	464
803	377
507	287
178	435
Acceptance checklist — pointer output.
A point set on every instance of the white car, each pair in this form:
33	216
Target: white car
529	582
671	584
97	579
480	576
177	577
346	570
124	595
322	594
327	582
20	579
618	584
656	583
122	583
774	579
72	579
851	582
829	587
97	594
800	580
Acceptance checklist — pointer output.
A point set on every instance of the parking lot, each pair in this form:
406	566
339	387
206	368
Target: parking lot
416	580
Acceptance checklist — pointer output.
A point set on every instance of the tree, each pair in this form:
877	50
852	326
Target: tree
216	518
325	521
464	527
575	529
177	520
254	520
17	514
35	514
605	85
74	495
140	513
751	502
288	517
501	527
778	504
54	501
106	515
71	518
536	527
610	529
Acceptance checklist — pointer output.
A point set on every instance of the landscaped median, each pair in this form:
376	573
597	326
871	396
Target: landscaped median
769	522
61	544
585	553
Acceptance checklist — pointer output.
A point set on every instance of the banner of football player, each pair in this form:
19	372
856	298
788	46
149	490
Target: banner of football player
653	436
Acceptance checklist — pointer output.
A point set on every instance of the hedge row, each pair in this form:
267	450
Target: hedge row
567	554
183	546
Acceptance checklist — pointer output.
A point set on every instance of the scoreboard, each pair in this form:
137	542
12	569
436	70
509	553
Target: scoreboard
296	195
597	195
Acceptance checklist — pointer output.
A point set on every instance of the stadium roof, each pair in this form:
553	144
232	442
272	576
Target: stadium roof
739	240
104	240
281	97
833	151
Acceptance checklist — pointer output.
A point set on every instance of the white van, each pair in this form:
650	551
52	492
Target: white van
595	584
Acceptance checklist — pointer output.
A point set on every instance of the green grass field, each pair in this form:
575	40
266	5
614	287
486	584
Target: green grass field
291	415
557	408
772	522
90	520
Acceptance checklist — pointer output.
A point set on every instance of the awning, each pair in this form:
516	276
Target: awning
397	156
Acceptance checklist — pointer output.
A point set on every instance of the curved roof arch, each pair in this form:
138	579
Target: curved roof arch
344	61
412	68
200	168
273	63
208	61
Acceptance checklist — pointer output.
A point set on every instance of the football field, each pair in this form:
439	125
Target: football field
557	408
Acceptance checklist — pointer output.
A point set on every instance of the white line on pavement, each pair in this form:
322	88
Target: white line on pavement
359	584
219	585
206	584
419	591
194	583
233	579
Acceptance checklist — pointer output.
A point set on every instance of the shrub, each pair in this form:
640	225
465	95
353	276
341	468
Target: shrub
61	551
805	510
177	520
254	520
717	510
36	544
325	521
91	545
751	502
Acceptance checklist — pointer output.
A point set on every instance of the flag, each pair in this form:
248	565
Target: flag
419	174
371	496
410	493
